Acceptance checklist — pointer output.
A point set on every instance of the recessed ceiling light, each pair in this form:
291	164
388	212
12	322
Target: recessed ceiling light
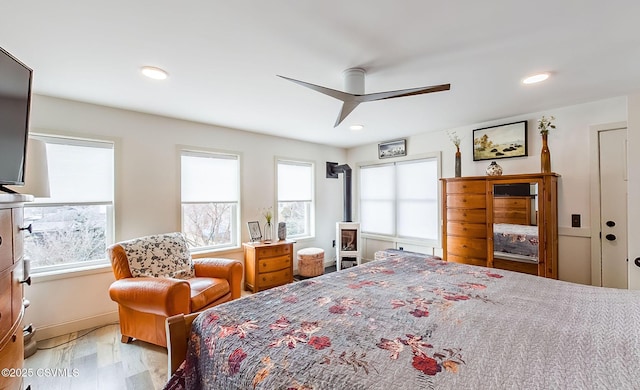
536	78
356	127
154	73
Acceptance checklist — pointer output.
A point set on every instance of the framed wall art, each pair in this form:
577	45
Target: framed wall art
503	141
396	148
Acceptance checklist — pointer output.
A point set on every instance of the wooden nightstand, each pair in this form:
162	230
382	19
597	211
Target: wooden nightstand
267	265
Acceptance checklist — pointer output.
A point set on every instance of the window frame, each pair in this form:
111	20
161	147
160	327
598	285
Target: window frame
64	138
312	203
395	237
236	237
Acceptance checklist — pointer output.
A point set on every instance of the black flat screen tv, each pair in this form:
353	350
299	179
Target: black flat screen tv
15	104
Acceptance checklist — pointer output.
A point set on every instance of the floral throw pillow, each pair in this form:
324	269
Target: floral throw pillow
162	255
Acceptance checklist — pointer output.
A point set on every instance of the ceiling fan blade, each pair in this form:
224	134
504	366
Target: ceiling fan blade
401	93
347	107
327	91
351	101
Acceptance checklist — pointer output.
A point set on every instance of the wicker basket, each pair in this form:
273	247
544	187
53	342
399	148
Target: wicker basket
310	262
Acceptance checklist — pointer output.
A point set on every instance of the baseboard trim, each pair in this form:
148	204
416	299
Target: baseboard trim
47	332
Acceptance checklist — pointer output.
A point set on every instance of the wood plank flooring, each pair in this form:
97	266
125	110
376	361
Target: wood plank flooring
98	360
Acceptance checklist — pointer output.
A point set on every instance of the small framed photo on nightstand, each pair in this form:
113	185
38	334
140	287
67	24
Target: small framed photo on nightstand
254	230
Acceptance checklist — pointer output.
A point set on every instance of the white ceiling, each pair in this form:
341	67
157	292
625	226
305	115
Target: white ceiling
223	58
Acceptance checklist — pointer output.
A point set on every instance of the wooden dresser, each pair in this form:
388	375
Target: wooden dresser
11	275
464	232
267	265
471	207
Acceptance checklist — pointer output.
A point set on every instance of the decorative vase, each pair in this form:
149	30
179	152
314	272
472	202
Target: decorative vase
458	163
282	231
545	155
267	232
494	169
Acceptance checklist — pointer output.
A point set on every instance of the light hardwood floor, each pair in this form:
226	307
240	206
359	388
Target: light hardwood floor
98	360
101	362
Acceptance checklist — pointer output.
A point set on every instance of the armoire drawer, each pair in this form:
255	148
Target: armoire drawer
467	247
468	201
465	229
467	187
467	215
466	260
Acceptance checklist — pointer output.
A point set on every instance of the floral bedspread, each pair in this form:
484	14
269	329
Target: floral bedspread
412	321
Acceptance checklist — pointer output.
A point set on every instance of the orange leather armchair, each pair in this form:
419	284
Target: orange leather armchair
144	303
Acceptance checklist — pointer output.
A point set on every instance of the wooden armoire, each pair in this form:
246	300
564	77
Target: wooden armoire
472	205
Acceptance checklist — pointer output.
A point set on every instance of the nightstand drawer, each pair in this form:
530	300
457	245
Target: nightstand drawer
274	263
271	251
277	278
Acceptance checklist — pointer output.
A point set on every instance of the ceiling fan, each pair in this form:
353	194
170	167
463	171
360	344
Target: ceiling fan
354	95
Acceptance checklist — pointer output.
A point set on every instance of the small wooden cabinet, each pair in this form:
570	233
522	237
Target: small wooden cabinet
267	265
471	207
11	275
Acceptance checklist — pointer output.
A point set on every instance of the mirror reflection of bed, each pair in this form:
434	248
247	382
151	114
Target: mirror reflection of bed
515	227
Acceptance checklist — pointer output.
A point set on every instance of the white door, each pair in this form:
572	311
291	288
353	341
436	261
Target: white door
613	207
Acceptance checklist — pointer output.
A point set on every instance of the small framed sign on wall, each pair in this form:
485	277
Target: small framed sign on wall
395	148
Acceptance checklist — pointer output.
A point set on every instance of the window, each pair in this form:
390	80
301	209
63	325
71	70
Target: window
295	197
210	188
400	199
72	227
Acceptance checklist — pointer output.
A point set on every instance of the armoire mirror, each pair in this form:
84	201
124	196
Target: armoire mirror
516	227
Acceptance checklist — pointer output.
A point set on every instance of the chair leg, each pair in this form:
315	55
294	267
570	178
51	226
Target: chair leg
126	339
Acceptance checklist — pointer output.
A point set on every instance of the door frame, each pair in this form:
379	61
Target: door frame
594	158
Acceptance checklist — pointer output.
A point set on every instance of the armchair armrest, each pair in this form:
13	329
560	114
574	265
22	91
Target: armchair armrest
231	270
161	296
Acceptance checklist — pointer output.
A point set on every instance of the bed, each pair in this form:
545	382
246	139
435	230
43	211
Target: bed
412	321
515	242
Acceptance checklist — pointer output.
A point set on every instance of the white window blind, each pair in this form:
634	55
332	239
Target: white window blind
400	199
296	197
210	197
417	189
377	199
208	177
295	182
80	171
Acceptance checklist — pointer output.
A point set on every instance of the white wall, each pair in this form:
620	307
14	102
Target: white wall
633	194
569	145
147	199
